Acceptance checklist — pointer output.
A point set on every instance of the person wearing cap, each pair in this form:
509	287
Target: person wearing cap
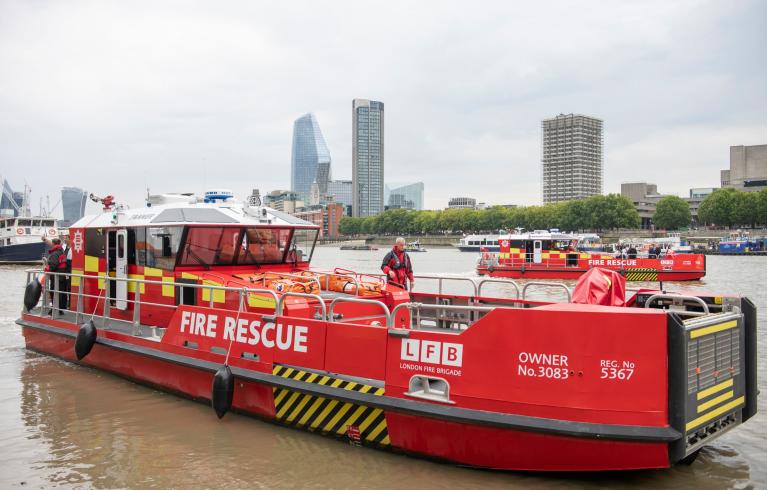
397	265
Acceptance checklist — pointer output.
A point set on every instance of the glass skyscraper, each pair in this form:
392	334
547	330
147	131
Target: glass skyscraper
310	160
407	196
73	201
367	157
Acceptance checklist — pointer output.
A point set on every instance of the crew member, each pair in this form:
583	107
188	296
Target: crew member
397	266
56	262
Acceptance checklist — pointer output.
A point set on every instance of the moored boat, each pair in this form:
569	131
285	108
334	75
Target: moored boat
217	301
553	255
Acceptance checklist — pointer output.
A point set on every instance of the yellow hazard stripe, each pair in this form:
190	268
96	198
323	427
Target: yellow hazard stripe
326	415
714	413
132	285
714	389
715	401
152	272
713	329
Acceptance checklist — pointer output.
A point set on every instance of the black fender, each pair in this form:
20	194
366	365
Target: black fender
86	337
32	294
222	391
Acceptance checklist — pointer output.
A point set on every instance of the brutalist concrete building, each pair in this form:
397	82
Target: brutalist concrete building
572	157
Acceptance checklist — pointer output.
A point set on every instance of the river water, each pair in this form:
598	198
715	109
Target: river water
62	425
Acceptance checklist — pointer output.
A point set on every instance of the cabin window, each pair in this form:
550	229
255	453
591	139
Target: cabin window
208	246
95	242
162	244
516	244
120	246
25	222
263	246
302	247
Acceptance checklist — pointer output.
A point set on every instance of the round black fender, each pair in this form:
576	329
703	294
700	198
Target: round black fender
32	294
223	391
86	337
490	268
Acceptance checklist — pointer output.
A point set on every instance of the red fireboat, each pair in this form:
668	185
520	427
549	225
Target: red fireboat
216	300
554	255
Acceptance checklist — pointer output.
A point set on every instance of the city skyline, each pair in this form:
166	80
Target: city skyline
676	84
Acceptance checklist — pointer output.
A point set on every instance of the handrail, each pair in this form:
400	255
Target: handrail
450	278
555	284
331	316
281	302
677	296
496	281
435	307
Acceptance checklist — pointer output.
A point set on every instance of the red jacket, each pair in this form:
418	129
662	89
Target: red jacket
56	260
399	262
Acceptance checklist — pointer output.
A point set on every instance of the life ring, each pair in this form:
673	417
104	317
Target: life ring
19	231
52	231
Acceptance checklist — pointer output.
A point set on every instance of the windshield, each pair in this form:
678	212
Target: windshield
211	246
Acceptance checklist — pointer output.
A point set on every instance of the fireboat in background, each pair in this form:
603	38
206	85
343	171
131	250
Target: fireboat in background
543	254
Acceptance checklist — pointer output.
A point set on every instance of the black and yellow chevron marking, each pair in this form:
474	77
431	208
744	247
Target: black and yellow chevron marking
641	274
328	416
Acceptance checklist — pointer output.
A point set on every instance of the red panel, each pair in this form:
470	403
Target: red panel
356	350
515	450
571	362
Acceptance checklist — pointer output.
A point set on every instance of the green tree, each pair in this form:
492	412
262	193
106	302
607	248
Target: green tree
672	213
717	207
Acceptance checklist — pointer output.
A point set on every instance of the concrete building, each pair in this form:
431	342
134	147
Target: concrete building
367	157
645	198
571	157
462	203
748	168
310	157
404	196
73	201
284	200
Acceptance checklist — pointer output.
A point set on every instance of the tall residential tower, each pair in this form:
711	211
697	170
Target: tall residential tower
572	157
310	160
367	157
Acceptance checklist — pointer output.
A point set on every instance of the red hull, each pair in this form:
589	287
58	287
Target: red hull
461	443
532	273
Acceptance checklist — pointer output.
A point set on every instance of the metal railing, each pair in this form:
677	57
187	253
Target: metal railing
497	281
547	284
440	280
474	313
136	301
332	316
281	303
678	300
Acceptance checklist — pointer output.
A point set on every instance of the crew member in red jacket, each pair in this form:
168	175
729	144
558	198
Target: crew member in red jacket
57	262
397	266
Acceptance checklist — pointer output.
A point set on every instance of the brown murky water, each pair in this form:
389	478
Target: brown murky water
62	425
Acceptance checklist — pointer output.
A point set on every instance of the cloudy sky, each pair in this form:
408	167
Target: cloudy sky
182	96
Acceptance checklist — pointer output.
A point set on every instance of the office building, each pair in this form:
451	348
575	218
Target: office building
462	203
73	201
404	196
748	168
367	157
645	198
310	159
284	200
572	157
